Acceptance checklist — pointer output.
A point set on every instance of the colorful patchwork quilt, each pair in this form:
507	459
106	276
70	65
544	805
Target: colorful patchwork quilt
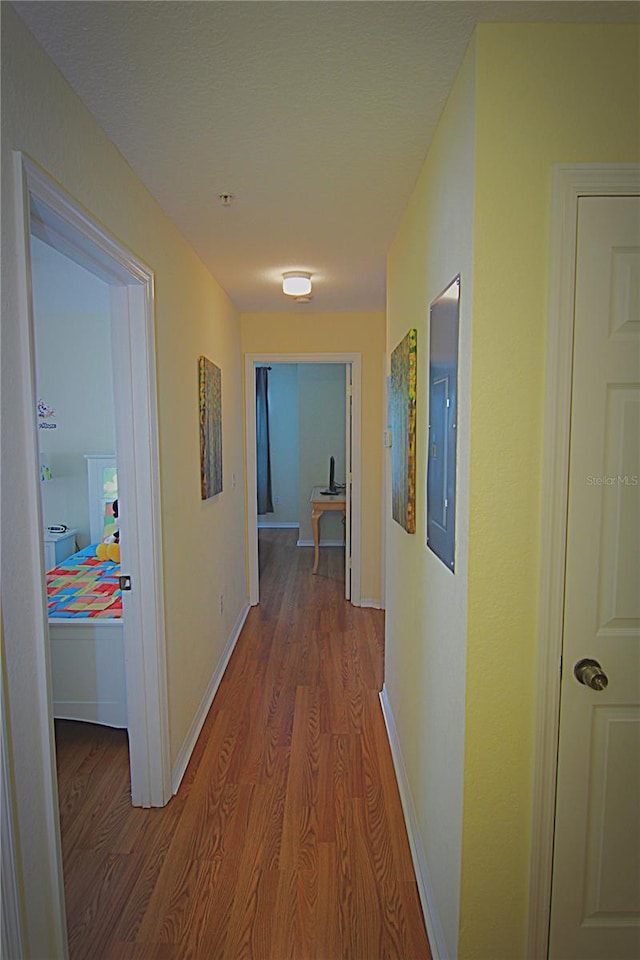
83	586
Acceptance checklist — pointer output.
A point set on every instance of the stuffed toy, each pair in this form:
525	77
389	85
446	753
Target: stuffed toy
109	549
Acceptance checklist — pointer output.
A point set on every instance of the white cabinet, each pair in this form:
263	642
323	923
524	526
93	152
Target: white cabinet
58	546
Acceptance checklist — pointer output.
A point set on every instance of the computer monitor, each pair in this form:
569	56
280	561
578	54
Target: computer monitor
332	475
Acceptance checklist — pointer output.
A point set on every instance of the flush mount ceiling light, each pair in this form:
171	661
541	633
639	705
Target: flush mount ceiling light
296	283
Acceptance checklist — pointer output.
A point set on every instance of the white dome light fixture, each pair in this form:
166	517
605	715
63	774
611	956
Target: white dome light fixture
296	283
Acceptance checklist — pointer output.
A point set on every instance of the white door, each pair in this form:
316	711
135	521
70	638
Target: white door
595	910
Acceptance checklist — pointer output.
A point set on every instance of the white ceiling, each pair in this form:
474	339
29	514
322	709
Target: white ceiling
316	116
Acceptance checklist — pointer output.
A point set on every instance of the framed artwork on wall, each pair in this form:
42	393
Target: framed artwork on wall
403	431
443	416
210	387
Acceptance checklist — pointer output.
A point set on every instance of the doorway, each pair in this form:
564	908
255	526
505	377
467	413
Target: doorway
349	366
78	485
56	219
596	922
302	428
595	906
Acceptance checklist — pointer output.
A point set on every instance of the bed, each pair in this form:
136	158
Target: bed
86	627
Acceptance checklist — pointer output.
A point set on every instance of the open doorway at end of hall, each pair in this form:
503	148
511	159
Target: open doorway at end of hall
313	411
98	271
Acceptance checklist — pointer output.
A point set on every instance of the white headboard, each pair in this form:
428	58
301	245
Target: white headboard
98	497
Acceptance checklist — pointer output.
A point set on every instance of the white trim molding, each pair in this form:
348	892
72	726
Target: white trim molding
570	182
425	890
64	223
12	932
43	206
372	604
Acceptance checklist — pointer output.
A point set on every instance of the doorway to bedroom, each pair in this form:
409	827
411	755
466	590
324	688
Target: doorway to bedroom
98	362
40	203
78	487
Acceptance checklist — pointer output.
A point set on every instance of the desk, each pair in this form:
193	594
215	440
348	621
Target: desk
320	503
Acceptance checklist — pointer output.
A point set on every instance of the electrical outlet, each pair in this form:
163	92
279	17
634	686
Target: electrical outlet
276	500
221	603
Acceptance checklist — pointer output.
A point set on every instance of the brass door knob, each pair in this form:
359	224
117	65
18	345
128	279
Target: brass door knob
591	674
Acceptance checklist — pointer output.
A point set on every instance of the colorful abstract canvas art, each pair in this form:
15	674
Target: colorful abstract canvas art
403	431
210	382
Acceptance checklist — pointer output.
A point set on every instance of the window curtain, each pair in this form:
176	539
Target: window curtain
263	456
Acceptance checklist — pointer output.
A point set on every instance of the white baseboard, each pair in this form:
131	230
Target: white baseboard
323	543
432	922
277	525
366	602
201	713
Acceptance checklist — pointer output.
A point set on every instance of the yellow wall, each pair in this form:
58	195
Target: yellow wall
538	95
43	117
193	316
545	94
200	321
340	333
426	625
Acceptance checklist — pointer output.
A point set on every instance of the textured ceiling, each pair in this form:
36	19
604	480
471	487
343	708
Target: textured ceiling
316	116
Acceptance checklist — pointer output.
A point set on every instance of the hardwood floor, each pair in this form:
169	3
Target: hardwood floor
286	838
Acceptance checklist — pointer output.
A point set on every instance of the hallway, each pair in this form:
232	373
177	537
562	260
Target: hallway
286	838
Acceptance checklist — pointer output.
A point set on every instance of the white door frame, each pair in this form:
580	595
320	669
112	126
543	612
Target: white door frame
348	477
570	182
31	780
13	939
251	361
135	397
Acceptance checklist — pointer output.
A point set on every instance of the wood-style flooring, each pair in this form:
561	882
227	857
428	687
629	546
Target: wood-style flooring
286	839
